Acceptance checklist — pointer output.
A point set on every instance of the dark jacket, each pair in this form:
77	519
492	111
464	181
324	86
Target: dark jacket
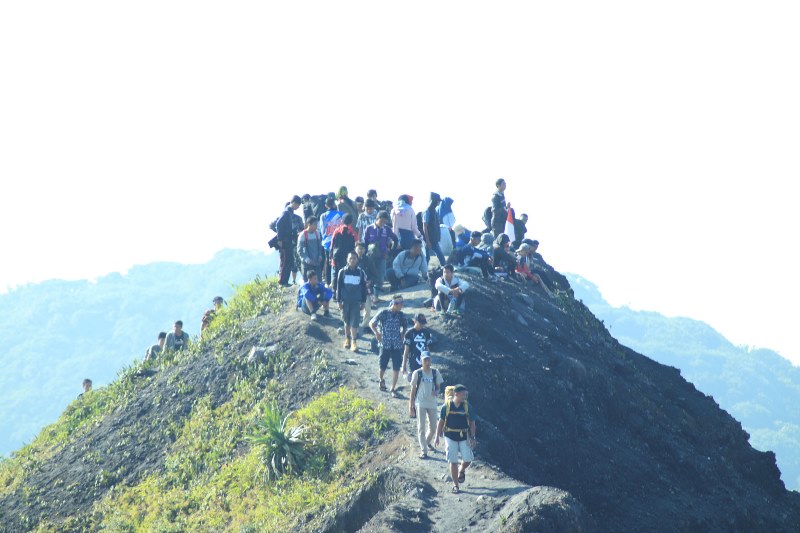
351	285
285	226
499	212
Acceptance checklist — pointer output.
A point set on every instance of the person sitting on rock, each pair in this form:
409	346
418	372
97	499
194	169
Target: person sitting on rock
463	236
177	339
313	295
505	263
524	268
154	350
209	315
351	292
425	385
457	425
408	267
473	255
450	291
393	327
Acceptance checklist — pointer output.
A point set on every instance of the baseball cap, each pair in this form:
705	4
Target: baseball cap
424	355
459	388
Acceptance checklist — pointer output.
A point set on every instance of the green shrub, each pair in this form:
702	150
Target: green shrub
283	448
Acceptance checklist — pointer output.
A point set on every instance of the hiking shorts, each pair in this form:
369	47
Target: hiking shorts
455	447
396	355
351	314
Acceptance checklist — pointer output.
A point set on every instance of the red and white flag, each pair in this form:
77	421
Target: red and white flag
510	225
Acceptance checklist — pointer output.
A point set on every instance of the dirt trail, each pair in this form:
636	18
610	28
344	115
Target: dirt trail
429	505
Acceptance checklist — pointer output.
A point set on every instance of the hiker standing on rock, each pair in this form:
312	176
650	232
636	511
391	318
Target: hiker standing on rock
457	424
351	293
393	327
425	384
287	240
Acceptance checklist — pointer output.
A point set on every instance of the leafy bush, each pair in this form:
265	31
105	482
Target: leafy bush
283	448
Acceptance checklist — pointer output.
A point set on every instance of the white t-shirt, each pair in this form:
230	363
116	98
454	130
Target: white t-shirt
426	396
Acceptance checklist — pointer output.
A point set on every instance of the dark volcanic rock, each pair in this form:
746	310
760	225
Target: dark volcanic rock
542	510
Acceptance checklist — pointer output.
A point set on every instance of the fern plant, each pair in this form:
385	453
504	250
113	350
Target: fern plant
285	449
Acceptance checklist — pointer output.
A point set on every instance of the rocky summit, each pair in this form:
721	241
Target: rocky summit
575	433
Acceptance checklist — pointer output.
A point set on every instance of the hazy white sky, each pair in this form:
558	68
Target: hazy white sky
654	146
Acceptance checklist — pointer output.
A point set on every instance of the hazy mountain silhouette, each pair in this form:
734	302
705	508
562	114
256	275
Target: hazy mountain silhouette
758	387
57	333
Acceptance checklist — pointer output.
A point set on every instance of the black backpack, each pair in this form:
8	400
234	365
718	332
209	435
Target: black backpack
487	217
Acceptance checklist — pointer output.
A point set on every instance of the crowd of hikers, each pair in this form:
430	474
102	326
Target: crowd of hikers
347	251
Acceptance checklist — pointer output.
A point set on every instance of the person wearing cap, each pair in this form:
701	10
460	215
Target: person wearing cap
366	219
524	263
408	267
432	229
416	340
450	291
286	240
208	316
457	425
177	339
393	327
425	385
345	204
152	353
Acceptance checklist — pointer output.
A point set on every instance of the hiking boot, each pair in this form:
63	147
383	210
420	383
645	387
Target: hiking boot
347	343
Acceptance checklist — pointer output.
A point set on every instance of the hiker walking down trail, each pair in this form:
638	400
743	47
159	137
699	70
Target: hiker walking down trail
330	221
313	295
351	293
416	340
286	240
457	424
425	385
393	327
154	350
177	339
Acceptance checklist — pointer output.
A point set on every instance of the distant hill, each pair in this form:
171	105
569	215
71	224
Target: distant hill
759	388
55	334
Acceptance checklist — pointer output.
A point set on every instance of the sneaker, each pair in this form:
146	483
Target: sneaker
354	347
347	344
314	317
